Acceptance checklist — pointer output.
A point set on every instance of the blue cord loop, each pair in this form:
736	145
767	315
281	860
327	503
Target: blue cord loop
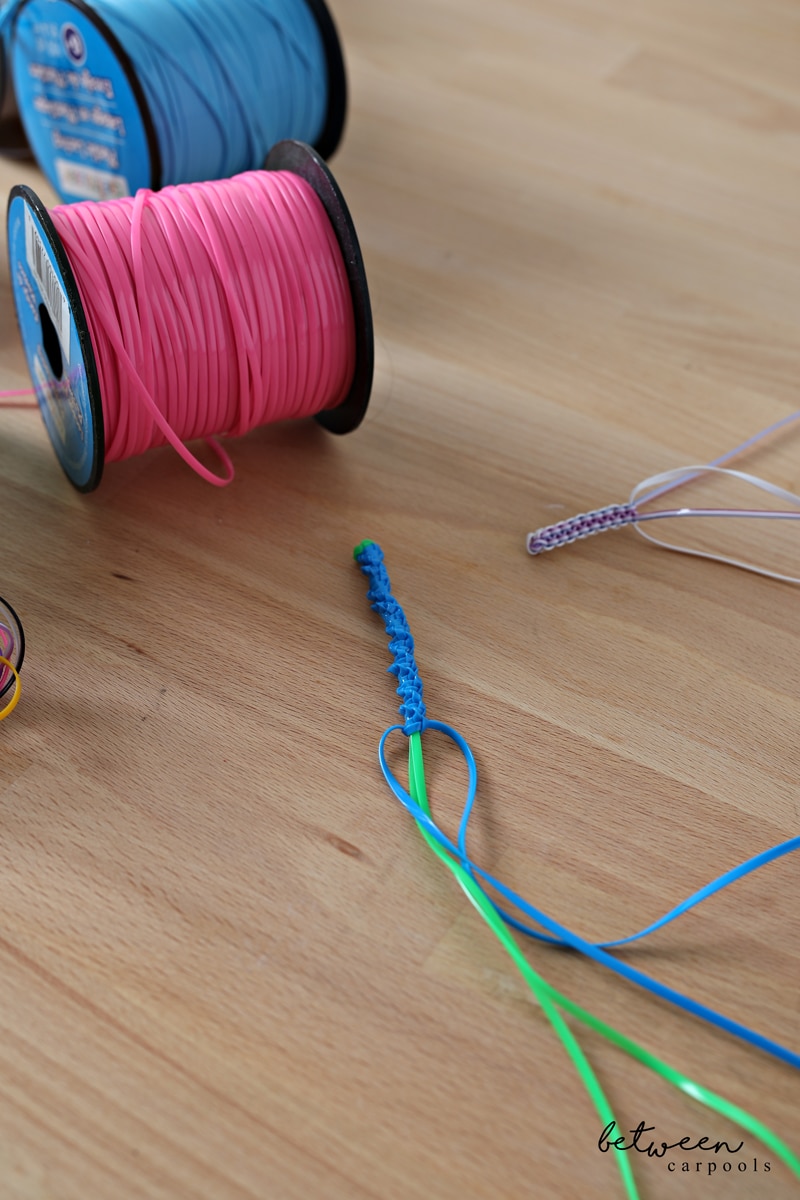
369	557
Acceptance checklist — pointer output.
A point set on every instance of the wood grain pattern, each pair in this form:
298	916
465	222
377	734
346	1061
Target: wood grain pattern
229	970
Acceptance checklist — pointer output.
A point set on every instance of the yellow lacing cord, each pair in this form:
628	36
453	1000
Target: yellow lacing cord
12	704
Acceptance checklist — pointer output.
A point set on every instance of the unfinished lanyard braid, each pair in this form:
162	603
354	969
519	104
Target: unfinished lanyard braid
472	878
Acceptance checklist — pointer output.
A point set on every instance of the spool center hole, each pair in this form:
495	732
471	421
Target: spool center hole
51	343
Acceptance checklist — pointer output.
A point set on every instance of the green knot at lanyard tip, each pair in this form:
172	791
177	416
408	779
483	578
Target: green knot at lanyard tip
361	547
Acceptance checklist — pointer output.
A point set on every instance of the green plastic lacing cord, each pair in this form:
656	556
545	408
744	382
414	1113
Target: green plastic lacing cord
552	1001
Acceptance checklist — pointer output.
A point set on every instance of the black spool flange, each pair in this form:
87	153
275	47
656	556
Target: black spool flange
328	140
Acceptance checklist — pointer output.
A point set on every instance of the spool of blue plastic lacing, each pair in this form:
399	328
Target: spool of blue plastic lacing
115	95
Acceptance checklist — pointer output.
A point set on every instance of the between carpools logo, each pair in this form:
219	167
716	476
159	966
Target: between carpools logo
74	45
697	1152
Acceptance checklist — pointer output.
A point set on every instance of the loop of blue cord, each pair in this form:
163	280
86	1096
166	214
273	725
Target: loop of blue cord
560	934
369	556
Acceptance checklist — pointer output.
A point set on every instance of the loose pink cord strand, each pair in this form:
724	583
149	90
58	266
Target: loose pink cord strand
7	400
213	309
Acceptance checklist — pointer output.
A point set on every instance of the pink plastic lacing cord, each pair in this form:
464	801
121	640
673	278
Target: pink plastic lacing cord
213	308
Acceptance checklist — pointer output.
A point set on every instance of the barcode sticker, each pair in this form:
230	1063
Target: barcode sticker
53	294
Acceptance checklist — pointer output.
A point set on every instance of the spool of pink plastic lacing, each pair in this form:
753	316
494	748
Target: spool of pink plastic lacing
198	311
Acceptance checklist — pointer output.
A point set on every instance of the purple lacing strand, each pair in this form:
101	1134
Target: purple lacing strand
613	516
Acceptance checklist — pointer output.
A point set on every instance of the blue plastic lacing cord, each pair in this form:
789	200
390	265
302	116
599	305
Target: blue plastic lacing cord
564	936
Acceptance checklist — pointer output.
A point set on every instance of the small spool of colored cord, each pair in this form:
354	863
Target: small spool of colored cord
369	557
12	652
201	310
116	95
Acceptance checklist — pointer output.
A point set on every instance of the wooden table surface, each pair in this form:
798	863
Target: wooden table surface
229	967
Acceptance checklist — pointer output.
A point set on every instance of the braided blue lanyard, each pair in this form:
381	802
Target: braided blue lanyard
369	557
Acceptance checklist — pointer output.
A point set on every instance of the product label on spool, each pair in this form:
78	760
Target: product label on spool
46	280
51	342
77	104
